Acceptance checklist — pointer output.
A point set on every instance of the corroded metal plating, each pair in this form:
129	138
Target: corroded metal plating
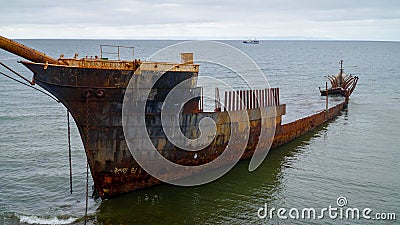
93	92
341	83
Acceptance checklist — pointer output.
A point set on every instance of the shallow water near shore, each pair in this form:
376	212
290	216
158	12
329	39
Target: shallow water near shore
353	156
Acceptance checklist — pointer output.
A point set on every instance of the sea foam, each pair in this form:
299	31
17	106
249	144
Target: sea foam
44	220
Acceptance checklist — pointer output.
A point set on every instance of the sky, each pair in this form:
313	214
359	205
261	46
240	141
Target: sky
205	19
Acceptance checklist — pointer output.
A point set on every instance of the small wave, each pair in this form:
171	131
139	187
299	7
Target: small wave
44	220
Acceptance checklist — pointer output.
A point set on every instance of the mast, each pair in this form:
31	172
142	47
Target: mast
341	66
340	75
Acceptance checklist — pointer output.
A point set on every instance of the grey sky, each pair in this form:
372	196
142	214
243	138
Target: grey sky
206	19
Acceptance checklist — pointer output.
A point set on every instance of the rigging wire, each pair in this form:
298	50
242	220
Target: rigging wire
87	159
69	153
12	78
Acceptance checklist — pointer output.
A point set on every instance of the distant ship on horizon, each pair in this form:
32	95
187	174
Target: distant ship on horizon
251	41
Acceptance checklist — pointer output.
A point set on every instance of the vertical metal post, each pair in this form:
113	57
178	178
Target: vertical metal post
257	99
202	99
265	97
278	96
229	101
269	97
326	92
273	96
118	54
246	99
251	99
241	99
232	100
219	101
254	99
216	99
262	98
226	101
237	100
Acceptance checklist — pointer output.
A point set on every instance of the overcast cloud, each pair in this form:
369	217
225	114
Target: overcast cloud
179	19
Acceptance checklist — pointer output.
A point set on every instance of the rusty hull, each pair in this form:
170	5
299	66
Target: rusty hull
93	92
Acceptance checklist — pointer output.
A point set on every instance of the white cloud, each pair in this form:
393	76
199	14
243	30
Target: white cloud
340	19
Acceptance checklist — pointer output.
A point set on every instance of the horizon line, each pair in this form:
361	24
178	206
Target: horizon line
214	39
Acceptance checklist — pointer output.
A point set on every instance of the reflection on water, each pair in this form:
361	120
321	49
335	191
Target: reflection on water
233	198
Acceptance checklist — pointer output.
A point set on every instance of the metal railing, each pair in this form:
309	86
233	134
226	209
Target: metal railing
117	52
251	99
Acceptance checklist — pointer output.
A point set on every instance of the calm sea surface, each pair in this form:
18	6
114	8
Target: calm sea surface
355	156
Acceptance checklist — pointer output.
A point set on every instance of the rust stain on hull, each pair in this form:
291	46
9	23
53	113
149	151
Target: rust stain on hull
93	91
113	168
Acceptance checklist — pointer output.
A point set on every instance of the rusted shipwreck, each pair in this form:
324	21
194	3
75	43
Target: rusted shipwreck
93	91
341	83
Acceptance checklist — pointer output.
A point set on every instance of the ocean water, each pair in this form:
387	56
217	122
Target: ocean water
355	156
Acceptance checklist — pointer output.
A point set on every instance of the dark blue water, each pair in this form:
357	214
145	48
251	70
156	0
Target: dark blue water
355	156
